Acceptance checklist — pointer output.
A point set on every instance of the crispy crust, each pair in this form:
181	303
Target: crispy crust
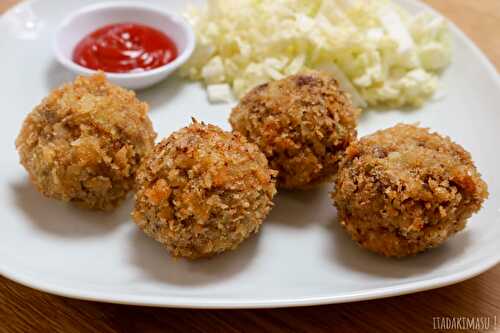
302	123
402	190
203	191
84	142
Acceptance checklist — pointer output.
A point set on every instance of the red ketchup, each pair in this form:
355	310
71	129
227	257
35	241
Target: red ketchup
124	48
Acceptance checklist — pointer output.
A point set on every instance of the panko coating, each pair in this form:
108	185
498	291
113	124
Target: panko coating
403	190
84	142
203	191
302	123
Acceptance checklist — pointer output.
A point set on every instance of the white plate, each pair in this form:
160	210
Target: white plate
301	256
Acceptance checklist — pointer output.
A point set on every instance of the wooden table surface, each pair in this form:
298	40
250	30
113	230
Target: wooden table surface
26	310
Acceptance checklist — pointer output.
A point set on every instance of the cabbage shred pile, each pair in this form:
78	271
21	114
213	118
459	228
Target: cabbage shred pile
380	54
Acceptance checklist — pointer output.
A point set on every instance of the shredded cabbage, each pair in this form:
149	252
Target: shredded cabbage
380	54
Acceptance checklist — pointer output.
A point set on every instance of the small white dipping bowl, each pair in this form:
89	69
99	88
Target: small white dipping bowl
88	19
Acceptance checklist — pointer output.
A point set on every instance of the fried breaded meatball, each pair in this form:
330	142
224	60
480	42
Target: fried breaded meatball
84	142
402	190
302	123
203	191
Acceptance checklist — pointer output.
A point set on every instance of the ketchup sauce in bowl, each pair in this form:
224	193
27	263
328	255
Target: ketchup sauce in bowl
125	47
136	45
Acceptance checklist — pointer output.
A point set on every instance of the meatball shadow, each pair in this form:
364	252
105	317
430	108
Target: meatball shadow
160	94
157	263
301	208
64	219
349	254
56	75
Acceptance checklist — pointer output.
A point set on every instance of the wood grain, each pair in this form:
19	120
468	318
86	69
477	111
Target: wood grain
26	310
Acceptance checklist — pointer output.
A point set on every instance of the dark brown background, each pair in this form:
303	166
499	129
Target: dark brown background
27	310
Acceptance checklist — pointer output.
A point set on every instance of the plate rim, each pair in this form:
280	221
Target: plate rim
226	303
280	302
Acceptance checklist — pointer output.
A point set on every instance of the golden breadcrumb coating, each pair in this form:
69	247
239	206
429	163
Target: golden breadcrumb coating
203	191
84	142
302	123
402	190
